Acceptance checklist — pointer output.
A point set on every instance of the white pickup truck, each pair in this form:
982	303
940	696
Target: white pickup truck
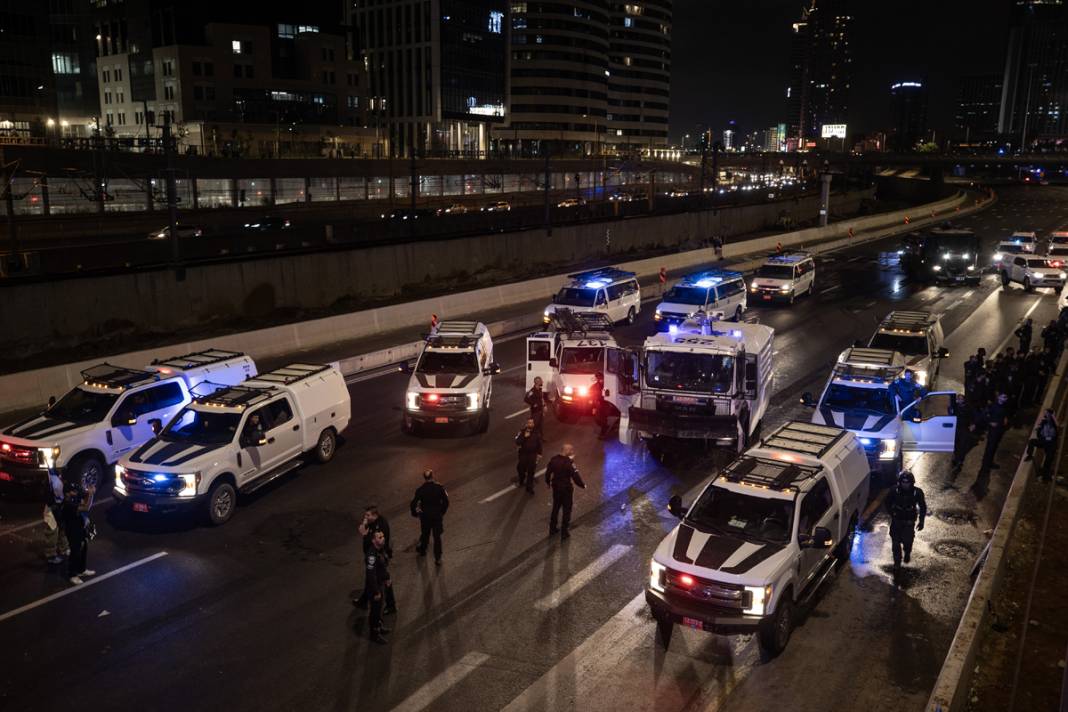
236	440
114	410
761	537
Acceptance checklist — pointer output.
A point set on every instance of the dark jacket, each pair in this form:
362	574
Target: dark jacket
907	505
1046	432
562	475
431	500
529	444
378	525
537	400
377	561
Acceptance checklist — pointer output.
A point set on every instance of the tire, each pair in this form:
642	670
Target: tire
411	428
664	628
774	636
738	313
792	296
87	469
482	424
326	447
221	503
631	316
1005	279
1028	287
845	547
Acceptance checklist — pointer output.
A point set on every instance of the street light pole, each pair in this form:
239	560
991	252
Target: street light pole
172	196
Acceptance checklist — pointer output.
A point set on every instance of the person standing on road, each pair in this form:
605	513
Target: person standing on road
997	422
561	476
908	510
379	587
430	503
528	448
537	400
75	526
965	437
1046	439
371	523
1024	334
906	389
1052	338
56	547
600	405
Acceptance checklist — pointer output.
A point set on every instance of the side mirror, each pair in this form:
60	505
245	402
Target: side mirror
822	538
51	401
553	363
157	425
406	367
943	352
493	370
675	506
808	400
122	419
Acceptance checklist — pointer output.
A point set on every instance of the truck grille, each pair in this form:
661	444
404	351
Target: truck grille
444	402
727	596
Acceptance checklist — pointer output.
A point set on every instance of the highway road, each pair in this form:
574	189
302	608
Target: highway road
256	615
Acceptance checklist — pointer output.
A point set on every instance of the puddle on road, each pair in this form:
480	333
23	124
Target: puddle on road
954	549
956	516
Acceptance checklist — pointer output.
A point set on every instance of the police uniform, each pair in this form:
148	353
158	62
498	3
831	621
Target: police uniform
561	475
997	421
430	503
378	525
528	445
965	436
1046	439
379	590
906	505
537	399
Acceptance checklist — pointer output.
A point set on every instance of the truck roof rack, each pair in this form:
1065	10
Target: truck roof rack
769	473
804	438
450	341
239	397
457	327
789	258
106	375
197	359
600	277
708	277
287	375
906	321
585	323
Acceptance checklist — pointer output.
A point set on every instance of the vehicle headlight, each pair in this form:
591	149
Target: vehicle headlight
656	576
657	316
472	401
888	449
937	268
761	597
50	455
545	316
189	484
971	268
119	472
921	377
966	255
411	400
998	256
583	391
785	288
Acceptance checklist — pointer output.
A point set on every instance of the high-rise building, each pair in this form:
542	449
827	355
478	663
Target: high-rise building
821	69
908	111
1034	99
438	72
639	65
978	106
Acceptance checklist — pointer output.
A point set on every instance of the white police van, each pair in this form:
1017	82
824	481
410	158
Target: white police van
716	293
114	410
609	291
784	277
568	358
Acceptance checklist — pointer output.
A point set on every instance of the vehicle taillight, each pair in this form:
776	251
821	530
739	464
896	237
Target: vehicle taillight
686	580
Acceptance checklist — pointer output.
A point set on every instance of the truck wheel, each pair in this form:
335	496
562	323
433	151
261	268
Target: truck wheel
631	315
845	547
482	424
1027	284
327	445
738	313
409	427
1005	279
221	503
774	636
664	628
87	470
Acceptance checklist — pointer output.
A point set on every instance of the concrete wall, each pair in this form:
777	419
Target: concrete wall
32	388
143	305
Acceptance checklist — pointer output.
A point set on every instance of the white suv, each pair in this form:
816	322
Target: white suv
1031	272
609	291
784	277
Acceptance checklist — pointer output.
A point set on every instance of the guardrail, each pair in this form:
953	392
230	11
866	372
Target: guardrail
951	689
31	388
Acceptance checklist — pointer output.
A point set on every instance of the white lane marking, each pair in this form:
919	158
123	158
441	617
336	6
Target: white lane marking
513	368
1012	335
830	289
954	304
510	488
89	582
426	695
38	522
575	583
517	414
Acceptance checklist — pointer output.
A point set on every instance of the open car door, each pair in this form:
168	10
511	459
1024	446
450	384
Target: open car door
622	385
539	357
930	423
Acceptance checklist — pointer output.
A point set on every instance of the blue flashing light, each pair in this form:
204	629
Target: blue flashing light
160	478
865	441
736	333
706	283
596	284
673	329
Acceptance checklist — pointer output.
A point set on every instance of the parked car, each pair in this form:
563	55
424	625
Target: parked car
571	203
268	224
500	206
182	230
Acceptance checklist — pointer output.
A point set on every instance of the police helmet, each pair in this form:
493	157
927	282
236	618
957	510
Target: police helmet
906	478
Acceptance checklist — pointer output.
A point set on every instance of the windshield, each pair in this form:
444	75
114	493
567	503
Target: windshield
687	295
1059	251
1022	238
573	297
843	397
703	373
80	406
1010	249
908	345
441	362
195	426
776	271
1037	264
736	514
956	244
1059	239
582	360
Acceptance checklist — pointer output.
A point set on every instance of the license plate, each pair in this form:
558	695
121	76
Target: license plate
693	623
767	297
441	420
685	399
140	507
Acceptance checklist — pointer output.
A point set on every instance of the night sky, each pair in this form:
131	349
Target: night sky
730	60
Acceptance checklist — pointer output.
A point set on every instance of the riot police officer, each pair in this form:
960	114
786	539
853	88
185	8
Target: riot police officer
561	476
906	389
379	586
537	399
1024	334
908	510
528	448
430	503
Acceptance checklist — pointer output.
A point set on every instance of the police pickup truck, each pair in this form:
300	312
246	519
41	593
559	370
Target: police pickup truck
568	358
114	410
452	381
916	335
706	380
860	396
762	536
236	440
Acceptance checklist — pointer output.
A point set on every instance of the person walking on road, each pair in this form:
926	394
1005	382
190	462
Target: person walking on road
537	399
371	523
528	448
75	526
379	587
997	422
430	503
1045	439
965	437
1024	334
56	547
561	476
908	510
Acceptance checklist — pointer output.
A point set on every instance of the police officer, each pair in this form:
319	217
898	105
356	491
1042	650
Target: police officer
379	586
1024	334
1046	439
528	448
906	389
965	437
537	399
371	523
997	422
430	503
600	405
908	510
561	476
